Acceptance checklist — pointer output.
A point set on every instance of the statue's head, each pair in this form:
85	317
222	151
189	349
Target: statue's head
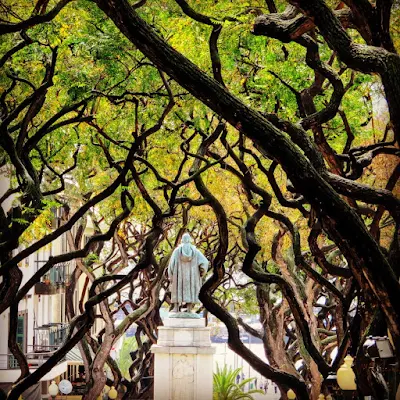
186	238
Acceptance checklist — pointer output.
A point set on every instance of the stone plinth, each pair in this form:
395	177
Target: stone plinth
183	361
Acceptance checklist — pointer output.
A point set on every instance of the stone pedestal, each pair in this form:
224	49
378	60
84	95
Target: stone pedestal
183	361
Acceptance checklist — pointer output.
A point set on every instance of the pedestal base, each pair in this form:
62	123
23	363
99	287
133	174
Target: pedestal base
185	315
183	361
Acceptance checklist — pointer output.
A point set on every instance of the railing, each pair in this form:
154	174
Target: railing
57	336
38	348
50	336
8	361
34	359
58	276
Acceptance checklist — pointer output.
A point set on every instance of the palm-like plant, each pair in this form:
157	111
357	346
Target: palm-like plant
226	388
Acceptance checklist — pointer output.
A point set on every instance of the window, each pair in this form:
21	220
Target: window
21	332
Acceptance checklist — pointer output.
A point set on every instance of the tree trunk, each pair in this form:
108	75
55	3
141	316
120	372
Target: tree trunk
98	378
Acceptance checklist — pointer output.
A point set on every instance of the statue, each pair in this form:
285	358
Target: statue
186	268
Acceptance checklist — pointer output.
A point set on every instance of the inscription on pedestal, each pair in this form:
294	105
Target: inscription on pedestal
182	377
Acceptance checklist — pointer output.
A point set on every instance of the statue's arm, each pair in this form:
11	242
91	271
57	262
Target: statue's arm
203	263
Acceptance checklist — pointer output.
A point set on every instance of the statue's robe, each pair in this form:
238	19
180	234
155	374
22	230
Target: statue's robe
184	272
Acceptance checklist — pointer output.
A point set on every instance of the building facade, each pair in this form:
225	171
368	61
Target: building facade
42	320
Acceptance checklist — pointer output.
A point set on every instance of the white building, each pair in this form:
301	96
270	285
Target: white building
42	322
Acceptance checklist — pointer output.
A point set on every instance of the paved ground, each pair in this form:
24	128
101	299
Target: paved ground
271	395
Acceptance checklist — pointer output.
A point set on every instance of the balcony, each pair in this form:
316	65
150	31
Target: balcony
10	370
57	277
34	359
49	337
45	288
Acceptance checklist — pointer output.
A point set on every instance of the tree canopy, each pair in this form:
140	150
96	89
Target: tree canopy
268	130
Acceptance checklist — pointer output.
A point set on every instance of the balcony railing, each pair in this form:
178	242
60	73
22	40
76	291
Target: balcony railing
34	359
50	336
56	277
8	361
48	339
58	274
